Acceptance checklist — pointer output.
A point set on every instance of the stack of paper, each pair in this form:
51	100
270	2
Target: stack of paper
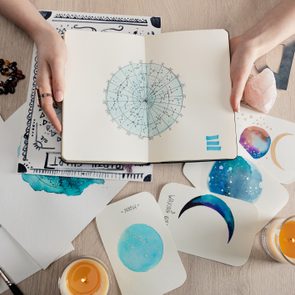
41	224
40	215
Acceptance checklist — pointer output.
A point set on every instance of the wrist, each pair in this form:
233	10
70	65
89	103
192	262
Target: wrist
41	31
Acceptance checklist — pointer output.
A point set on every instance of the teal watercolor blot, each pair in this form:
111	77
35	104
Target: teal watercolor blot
70	186
140	248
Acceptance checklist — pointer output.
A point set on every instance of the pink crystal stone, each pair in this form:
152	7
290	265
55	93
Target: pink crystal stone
260	92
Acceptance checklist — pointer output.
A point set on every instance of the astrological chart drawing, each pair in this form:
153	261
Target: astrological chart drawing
145	99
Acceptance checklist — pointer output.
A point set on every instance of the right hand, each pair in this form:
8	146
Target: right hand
51	70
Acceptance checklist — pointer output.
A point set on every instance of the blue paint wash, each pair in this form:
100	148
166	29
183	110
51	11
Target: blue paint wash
70	186
216	204
236	178
140	248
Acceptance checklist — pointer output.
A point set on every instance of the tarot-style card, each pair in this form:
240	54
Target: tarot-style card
240	179
209	225
269	142
140	247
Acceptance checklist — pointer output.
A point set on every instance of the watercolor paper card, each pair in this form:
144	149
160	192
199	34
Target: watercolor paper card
269	142
44	214
240	179
140	247
209	225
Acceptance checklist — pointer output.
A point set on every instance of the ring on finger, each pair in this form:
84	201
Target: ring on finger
42	95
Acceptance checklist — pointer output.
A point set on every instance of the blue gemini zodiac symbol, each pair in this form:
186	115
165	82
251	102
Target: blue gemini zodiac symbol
145	99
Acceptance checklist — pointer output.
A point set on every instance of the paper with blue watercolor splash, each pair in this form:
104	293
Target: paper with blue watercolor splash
56	221
209	225
240	179
140	247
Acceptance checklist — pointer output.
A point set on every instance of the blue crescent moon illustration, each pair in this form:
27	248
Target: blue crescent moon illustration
214	203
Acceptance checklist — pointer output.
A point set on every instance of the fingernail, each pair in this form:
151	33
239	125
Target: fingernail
59	96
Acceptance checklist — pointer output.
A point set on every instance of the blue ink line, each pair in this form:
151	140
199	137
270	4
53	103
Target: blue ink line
212	142
212	137
213	148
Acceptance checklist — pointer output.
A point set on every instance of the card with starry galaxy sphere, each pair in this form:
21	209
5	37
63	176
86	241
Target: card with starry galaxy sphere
209	225
240	179
268	142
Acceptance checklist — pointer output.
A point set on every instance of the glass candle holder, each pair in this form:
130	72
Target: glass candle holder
84	276
278	239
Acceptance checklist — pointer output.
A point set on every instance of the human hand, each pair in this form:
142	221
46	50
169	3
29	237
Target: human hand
243	56
50	77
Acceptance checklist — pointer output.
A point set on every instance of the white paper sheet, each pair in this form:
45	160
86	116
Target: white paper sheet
140	247
209	225
43	223
15	261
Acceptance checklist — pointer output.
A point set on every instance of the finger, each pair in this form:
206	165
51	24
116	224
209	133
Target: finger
57	75
47	106
239	80
44	85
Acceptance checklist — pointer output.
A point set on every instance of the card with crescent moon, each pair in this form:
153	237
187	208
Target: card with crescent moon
140	246
268	142
209	225
240	179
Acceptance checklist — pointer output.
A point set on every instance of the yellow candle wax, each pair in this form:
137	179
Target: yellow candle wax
287	239
85	276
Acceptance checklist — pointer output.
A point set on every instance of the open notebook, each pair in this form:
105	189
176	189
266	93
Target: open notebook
147	99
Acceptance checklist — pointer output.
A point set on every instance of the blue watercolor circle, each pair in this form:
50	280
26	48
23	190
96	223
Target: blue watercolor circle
140	248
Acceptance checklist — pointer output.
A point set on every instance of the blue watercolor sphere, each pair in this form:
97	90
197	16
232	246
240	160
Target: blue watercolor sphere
237	179
140	248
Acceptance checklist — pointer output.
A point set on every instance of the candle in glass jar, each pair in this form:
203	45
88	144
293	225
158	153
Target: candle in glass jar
84	276
278	239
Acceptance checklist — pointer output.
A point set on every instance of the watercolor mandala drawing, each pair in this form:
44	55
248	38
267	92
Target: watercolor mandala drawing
145	99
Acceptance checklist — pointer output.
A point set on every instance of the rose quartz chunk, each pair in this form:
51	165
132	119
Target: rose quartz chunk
261	92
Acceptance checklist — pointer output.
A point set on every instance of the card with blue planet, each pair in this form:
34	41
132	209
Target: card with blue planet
268	142
242	180
209	225
140	247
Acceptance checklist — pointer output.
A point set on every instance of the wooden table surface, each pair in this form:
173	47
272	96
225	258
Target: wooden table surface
260	275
